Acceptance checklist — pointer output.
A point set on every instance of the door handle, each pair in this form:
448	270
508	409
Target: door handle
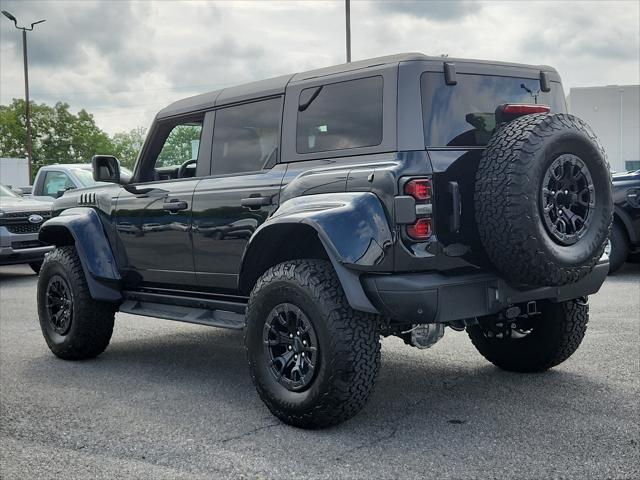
254	203
174	205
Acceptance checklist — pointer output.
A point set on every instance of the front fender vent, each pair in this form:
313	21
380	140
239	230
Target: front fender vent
87	199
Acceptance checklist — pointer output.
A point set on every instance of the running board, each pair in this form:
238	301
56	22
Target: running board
183	309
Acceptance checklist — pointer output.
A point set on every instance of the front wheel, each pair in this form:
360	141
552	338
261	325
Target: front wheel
532	344
74	325
312	358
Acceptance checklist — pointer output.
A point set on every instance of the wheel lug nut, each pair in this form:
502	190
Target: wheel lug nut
290	347
298	333
302	354
295	357
291	335
304	342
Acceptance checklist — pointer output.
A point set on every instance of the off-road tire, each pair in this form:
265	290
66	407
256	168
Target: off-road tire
349	345
619	248
507	200
36	266
556	335
91	321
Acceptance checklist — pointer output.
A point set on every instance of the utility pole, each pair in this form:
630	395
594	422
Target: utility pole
26	86
347	6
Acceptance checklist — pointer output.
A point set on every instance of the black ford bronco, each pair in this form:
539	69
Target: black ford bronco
321	210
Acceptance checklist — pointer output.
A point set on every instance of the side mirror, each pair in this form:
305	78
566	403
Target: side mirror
106	168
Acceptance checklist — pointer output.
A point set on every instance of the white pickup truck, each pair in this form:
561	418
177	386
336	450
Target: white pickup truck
53	180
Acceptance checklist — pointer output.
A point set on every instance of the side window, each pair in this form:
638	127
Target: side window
56	182
340	116
246	136
181	145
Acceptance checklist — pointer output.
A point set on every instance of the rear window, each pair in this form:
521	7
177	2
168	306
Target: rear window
463	115
340	116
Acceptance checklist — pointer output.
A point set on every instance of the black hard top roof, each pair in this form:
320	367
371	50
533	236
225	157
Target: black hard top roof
277	85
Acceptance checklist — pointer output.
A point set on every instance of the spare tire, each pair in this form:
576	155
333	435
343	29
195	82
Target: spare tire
543	199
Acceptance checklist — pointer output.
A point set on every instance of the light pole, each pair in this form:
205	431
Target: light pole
26	83
347	8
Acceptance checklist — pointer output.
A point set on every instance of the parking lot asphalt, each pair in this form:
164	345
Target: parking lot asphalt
172	400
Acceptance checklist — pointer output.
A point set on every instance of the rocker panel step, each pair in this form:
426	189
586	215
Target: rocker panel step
182	313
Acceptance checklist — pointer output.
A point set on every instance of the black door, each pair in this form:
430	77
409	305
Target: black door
153	217
240	194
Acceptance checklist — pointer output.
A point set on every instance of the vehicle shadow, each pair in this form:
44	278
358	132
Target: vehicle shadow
17	274
420	390
627	270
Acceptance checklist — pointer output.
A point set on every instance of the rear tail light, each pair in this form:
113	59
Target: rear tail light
420	189
421	230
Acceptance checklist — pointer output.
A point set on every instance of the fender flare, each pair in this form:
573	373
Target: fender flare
352	228
82	227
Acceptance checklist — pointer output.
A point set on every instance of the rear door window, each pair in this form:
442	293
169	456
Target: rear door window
246	137
340	116
463	115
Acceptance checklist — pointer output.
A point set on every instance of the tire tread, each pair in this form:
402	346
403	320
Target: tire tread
354	338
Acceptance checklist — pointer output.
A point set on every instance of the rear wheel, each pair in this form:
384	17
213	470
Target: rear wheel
618	248
534	344
74	325
313	359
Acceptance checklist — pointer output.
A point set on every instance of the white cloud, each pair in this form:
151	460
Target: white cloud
124	61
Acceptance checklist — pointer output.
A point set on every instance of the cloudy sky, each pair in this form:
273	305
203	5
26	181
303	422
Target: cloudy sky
123	61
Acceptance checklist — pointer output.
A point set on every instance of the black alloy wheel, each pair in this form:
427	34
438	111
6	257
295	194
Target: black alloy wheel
59	304
312	358
567	200
290	347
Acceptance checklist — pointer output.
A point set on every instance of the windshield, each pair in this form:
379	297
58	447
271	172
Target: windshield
5	192
463	115
85	177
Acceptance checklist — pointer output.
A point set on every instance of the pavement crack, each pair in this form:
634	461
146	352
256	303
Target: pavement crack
376	441
246	434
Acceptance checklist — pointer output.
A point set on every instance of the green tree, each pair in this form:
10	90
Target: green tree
127	145
58	136
180	145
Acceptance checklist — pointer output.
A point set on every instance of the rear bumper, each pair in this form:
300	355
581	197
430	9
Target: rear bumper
435	298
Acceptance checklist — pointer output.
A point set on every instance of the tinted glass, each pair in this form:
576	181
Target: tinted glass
181	145
340	116
464	114
246	136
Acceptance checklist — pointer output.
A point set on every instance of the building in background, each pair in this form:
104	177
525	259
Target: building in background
14	172
614	114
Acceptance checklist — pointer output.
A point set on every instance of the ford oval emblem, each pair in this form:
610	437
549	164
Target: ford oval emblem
35	218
